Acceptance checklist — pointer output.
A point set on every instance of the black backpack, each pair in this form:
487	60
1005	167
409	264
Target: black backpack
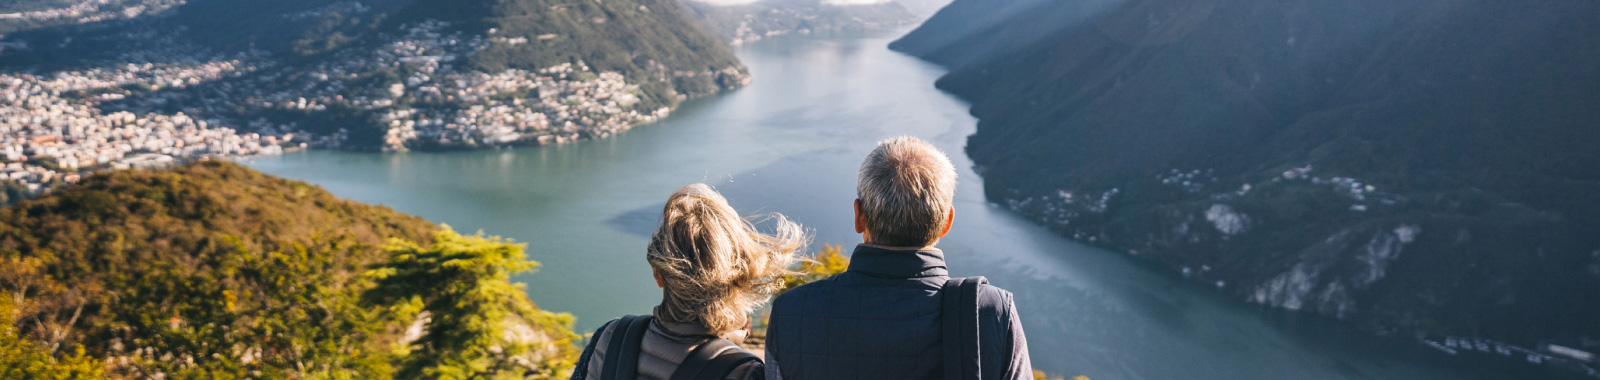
704	363
958	303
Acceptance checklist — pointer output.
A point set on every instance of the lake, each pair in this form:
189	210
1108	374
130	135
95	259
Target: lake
791	143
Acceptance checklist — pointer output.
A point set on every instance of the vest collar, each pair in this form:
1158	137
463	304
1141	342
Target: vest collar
899	262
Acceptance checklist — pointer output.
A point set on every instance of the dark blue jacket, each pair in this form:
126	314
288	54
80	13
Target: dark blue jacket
880	320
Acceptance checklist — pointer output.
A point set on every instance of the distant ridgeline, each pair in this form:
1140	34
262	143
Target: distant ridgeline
1415	166
744	23
213	270
384	74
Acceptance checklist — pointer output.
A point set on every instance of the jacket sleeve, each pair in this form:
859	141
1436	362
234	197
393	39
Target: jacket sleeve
581	370
771	370
1021	367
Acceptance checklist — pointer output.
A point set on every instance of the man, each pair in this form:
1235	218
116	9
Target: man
880	319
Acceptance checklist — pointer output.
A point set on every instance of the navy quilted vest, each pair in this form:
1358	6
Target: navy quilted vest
878	320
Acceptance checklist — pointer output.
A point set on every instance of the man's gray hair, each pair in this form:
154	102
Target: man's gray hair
906	187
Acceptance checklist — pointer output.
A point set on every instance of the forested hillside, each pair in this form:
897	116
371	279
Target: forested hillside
645	39
213	270
1418	166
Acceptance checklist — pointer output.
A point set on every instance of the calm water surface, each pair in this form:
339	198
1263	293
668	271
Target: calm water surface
790	143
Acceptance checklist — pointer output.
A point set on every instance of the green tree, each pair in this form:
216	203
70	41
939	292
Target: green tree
477	323
215	271
22	358
829	261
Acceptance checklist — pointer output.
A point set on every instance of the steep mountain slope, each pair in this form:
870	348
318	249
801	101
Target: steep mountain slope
1410	166
213	270
967	30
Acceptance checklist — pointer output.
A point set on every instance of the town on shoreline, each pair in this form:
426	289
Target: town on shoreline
155	106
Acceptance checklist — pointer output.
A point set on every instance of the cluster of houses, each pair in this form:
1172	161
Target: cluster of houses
1580	360
51	132
92	11
417	89
441	100
421	90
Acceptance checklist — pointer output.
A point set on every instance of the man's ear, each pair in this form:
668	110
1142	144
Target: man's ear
659	284
949	220
861	220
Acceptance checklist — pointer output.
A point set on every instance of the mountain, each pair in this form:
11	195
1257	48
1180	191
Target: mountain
630	36
750	22
967	30
214	270
383	74
1419	166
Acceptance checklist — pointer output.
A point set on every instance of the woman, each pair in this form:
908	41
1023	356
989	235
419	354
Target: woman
713	268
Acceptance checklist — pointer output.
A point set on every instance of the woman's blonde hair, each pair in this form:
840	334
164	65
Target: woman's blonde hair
715	266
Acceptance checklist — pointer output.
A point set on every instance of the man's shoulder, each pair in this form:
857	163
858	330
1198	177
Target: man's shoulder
994	298
798	293
989	290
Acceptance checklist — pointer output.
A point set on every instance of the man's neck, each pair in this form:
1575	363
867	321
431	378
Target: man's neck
899	248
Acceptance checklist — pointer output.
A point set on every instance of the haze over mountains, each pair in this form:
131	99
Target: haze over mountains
742	22
1417	166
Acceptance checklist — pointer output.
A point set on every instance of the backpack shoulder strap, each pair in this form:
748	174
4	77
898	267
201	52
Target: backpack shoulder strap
622	351
728	362
713	360
958	302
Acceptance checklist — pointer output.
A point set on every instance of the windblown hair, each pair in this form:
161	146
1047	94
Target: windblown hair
715	266
906	188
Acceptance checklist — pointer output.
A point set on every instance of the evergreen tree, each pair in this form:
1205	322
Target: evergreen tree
478	324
